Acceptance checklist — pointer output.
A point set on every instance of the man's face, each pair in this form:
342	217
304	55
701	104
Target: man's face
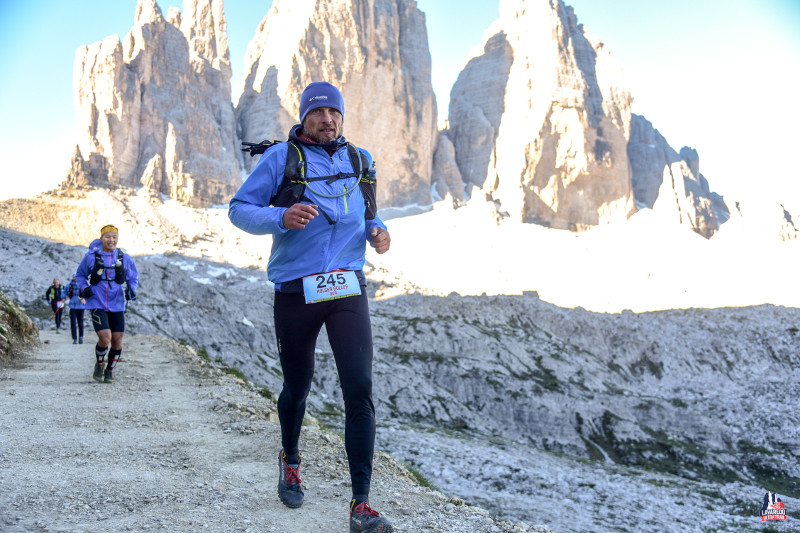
323	124
56	283
109	241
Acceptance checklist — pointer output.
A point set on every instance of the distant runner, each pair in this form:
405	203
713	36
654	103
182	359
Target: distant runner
56	297
76	309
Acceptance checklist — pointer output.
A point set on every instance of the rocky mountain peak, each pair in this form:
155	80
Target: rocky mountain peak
376	53
541	120
147	11
545	130
155	110
205	29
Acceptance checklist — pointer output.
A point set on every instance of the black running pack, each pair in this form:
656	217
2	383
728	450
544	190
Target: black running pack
293	187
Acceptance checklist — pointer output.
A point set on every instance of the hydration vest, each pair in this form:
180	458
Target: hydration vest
99	268
293	187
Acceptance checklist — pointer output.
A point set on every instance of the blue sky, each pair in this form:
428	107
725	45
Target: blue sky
721	76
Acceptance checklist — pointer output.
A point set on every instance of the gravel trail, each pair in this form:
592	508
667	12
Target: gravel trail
177	445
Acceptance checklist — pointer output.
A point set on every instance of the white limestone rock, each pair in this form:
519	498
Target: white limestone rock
476	109
540	120
446	177
376	53
155	110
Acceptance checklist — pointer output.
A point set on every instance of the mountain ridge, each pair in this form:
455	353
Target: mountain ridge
578	163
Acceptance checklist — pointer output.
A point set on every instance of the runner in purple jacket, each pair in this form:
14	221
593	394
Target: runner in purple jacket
101	276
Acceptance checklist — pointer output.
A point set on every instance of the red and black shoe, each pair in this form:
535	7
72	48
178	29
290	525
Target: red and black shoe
290	488
364	519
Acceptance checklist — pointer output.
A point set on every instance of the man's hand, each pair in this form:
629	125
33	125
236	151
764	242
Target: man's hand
298	215
86	293
380	240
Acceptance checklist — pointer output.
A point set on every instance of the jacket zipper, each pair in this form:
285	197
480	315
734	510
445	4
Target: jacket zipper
108	285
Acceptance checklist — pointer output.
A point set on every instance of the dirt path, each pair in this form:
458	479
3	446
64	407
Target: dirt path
175	445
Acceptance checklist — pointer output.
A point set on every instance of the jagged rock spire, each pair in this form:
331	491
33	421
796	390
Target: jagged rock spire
376	52
155	110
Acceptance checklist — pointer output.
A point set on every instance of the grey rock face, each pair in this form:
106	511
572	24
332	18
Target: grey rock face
376	53
671	182
477	106
540	121
446	177
155	110
789	226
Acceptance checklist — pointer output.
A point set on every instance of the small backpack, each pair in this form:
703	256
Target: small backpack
96	274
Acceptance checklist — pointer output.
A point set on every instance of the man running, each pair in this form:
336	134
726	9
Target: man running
316	265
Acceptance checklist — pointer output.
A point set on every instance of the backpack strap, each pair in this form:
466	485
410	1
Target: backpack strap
293	187
119	271
367	181
295	169
95	275
358	159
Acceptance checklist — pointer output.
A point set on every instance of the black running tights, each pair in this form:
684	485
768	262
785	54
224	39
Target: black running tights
347	323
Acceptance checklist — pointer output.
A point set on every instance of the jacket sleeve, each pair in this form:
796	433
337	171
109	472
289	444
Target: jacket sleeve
82	274
375	223
249	209
131	273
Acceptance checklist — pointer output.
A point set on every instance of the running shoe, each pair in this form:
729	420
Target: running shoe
98	372
364	519
290	489
109	376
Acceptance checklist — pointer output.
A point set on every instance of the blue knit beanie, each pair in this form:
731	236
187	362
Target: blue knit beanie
320	94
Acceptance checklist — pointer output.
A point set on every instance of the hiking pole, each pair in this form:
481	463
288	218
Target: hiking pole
59	308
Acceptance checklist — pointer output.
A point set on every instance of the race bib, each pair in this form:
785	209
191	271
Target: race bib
330	286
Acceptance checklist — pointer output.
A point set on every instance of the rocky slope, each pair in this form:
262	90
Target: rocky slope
155	111
577	402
